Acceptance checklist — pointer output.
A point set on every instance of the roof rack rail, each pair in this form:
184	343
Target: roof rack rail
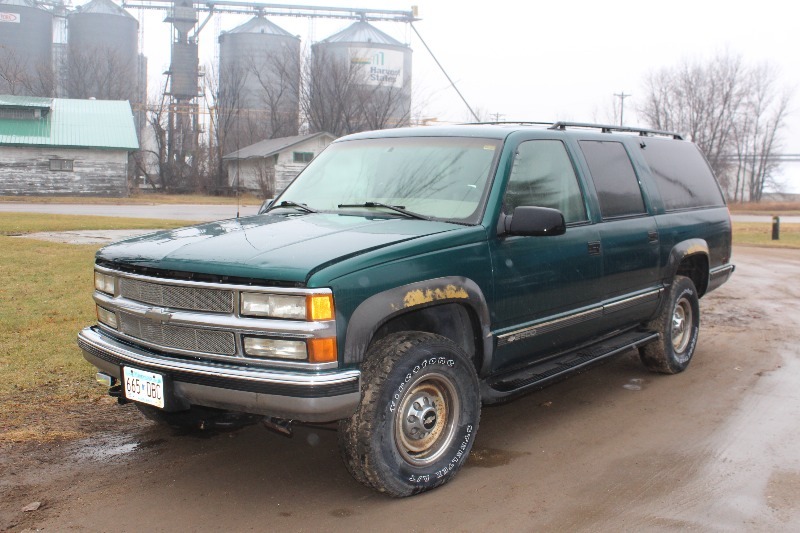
515	122
605	128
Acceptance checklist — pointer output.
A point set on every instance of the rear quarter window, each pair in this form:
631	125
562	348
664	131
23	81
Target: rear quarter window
681	174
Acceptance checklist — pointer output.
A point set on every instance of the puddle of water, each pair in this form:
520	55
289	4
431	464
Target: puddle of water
105	447
634	384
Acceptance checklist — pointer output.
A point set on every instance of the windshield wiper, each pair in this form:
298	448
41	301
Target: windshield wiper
289	203
396	208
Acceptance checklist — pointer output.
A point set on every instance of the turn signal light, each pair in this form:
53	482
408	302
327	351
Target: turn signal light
322	350
319	306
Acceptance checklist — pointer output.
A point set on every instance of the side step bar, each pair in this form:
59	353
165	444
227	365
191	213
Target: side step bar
546	372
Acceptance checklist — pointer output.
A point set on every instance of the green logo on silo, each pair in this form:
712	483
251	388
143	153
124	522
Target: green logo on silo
378	59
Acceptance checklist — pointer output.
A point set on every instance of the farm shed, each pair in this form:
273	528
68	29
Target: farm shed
267	167
56	146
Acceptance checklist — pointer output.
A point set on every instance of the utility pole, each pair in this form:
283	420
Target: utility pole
497	116
622	96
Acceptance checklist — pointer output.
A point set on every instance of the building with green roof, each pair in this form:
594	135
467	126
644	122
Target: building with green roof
56	146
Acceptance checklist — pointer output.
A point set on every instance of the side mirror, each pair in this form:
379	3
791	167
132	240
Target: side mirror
535	222
266	205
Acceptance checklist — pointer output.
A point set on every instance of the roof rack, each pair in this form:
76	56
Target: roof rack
511	122
605	128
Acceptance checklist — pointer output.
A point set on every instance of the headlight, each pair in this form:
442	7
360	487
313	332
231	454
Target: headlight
109	318
310	307
273	305
105	283
274	348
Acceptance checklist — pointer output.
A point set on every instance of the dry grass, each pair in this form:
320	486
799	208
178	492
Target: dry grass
47	389
766	208
21	223
139	199
760	234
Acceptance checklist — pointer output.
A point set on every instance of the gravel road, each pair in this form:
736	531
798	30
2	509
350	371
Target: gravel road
616	448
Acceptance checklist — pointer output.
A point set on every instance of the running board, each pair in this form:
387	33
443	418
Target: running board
541	374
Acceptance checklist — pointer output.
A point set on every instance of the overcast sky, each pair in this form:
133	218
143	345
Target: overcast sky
553	60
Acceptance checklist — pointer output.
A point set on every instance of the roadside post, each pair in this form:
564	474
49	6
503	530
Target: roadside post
776	228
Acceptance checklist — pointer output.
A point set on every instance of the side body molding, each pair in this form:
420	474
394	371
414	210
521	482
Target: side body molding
384	306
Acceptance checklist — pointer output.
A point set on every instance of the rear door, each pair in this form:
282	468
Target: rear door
629	234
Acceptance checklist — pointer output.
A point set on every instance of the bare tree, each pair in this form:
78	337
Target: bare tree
101	73
17	77
224	94
278	82
756	134
732	111
336	97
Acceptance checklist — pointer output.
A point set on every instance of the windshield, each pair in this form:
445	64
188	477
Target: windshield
439	177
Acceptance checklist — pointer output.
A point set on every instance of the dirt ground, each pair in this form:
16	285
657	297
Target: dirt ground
616	448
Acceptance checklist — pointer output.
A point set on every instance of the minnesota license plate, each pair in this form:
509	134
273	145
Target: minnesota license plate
145	387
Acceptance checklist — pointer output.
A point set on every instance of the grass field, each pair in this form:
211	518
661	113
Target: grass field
46	298
760	234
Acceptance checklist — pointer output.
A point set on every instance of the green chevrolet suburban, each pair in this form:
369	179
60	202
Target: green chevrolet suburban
407	277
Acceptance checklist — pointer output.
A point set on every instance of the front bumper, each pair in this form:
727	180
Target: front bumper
305	397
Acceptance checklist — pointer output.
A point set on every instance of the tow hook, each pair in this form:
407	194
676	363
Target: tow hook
116	392
280	426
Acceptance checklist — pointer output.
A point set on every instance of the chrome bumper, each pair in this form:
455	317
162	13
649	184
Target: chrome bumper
307	397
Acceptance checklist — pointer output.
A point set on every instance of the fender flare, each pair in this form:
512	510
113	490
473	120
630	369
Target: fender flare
685	249
379	308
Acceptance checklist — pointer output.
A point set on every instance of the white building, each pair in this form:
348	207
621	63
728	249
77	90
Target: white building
267	167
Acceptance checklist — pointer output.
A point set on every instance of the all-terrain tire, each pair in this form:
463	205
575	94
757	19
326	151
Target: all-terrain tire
418	415
678	325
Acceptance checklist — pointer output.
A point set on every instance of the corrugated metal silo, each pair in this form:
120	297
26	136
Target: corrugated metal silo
381	66
103	55
259	82
26	40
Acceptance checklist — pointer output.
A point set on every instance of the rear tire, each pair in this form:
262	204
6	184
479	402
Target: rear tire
418	416
678	325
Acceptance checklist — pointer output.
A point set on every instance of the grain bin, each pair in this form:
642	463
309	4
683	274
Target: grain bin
380	66
103	52
26	40
259	77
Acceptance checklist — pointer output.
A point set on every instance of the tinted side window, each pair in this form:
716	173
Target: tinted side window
614	178
681	174
543	176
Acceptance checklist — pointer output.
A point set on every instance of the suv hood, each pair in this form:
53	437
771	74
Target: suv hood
285	247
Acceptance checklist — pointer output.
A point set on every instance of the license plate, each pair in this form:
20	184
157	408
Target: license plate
145	387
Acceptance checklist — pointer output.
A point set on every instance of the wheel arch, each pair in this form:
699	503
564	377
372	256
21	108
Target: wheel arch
690	258
445	306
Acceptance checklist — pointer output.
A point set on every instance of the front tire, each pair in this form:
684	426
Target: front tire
418	416
678	325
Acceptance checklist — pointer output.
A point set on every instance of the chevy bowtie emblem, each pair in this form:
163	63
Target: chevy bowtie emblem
157	315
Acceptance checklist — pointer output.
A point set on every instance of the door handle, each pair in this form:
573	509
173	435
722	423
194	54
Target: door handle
652	237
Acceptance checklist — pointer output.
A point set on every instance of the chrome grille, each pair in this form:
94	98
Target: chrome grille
180	337
177	297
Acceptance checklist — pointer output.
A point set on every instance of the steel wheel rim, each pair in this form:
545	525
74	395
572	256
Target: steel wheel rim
682	320
426	419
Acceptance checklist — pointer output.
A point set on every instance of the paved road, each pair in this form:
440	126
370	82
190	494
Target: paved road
210	212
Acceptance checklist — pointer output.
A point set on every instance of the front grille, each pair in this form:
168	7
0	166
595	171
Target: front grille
177	297
180	337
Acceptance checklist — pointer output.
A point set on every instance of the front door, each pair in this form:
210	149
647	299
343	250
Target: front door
545	287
